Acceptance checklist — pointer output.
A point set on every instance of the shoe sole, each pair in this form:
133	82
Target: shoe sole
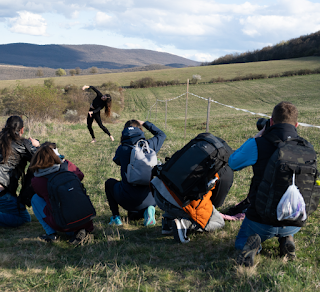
180	232
251	247
150	220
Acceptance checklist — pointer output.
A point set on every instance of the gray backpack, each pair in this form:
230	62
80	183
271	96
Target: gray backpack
142	161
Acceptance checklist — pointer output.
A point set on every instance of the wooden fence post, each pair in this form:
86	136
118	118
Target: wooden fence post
185	119
165	122
208	115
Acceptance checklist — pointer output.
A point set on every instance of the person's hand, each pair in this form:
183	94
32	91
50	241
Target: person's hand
34	142
90	113
260	133
85	87
112	139
141	122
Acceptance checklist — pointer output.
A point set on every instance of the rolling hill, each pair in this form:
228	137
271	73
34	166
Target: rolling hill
86	56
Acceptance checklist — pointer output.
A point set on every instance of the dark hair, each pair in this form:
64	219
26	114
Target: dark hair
10	132
285	112
44	157
133	123
108	102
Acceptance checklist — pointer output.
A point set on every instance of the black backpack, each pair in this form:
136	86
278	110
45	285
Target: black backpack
189	171
71	206
295	155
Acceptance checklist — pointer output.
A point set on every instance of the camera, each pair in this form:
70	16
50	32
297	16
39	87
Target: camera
263	122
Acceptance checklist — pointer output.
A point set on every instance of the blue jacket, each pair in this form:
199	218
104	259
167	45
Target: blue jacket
135	198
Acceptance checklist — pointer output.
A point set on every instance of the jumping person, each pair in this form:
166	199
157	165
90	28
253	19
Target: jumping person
136	199
47	160
101	101
15	152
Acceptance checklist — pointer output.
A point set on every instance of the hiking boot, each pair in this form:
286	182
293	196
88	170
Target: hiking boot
115	220
166	226
287	247
149	216
78	237
250	249
179	231
49	238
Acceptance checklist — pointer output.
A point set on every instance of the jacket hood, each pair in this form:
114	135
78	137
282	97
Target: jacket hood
131	135
283	131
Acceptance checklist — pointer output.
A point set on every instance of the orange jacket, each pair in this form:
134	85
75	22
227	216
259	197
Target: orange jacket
199	210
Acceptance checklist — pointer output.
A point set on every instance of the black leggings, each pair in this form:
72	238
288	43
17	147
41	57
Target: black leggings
113	204
97	118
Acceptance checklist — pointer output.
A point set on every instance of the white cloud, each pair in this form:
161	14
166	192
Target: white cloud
28	23
132	46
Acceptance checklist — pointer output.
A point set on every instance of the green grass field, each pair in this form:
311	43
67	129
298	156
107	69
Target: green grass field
135	258
206	72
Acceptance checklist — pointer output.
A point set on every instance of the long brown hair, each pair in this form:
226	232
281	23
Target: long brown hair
44	157
107	108
10	132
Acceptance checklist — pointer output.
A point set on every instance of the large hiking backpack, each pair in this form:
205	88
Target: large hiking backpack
293	156
142	161
71	206
189	171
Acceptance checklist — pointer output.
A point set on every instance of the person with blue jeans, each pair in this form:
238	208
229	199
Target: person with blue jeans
15	152
256	152
136	199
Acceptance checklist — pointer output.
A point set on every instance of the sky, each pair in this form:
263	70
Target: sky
200	30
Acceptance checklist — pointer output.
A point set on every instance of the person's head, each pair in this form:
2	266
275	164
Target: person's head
12	131
108	100
285	112
133	123
44	157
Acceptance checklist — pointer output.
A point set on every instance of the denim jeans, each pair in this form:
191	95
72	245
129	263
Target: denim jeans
38	205
10	214
265	232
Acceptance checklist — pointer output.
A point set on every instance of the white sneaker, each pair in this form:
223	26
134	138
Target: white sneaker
179	230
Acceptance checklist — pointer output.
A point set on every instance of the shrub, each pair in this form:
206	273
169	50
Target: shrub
61	72
93	70
72	72
37	103
78	71
49	83
195	79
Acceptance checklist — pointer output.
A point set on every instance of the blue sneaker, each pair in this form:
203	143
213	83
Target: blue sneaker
115	220
148	215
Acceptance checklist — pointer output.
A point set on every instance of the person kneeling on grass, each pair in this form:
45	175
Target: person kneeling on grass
136	199
256	152
199	215
46	161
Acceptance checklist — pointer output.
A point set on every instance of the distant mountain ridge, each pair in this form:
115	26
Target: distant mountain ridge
86	56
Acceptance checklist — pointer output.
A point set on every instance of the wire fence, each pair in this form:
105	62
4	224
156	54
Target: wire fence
194	107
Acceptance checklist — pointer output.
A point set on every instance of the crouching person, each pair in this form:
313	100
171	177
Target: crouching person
136	198
274	147
174	180
75	215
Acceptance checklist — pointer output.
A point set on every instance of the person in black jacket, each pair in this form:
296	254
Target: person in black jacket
256	152
136	199
15	152
101	101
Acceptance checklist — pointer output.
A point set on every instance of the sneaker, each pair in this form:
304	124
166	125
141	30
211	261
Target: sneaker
149	218
250	249
166	226
287	247
49	238
179	231
78	237
115	220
